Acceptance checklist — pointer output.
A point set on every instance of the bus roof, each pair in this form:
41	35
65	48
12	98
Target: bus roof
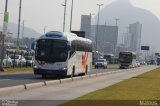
63	36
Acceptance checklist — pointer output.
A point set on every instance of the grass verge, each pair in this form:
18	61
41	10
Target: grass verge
15	70
143	87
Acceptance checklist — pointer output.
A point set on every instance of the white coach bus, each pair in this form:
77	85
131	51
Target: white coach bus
62	54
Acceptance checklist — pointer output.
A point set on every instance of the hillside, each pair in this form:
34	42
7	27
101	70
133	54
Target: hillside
128	14
28	32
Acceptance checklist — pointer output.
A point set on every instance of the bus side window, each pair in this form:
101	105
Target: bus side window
72	48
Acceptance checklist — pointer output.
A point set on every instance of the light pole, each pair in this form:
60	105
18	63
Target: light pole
44	29
3	35
91	23
19	21
99	5
22	32
65	5
71	17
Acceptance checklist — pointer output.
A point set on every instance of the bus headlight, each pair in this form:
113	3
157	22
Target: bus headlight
64	68
35	67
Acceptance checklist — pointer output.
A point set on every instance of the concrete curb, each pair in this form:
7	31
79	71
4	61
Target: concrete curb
24	87
47	83
85	77
13	89
107	73
66	80
99	74
93	75
33	85
77	78
7	90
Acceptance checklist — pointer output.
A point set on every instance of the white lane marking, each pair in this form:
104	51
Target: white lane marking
5	80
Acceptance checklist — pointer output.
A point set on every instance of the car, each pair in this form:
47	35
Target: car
18	60
137	63
29	60
142	63
158	61
101	63
7	61
153	62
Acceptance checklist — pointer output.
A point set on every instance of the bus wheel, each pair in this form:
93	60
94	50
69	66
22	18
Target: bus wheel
73	71
86	69
43	75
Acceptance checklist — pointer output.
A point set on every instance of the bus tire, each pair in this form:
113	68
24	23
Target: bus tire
73	71
43	75
86	69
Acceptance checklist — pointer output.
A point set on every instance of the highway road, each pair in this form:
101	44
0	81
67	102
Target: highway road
57	94
7	80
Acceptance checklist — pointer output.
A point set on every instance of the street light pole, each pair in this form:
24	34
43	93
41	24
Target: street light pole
6	6
19	21
65	5
99	5
71	17
44	29
22	33
3	38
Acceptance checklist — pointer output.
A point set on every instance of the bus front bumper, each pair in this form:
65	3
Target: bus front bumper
50	72
124	65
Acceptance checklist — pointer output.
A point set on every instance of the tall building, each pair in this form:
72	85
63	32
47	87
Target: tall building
86	25
106	38
135	37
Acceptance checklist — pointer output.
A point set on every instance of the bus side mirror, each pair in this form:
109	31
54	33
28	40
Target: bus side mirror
33	46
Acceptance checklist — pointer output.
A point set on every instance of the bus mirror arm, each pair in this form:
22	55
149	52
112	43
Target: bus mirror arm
32	47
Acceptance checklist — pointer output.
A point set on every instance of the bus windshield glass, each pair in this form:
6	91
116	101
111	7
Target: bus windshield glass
100	60
49	50
125	58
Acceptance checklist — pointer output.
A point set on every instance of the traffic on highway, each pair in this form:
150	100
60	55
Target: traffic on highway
82	54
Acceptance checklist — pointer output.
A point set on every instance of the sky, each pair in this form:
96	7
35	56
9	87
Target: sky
38	14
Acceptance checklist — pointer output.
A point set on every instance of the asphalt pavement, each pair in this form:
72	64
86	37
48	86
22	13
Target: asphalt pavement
8	80
57	94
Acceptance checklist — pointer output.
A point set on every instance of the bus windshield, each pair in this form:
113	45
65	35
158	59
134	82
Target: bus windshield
125	58
49	50
100	60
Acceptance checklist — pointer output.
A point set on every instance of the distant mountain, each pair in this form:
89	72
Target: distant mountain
128	14
28	32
